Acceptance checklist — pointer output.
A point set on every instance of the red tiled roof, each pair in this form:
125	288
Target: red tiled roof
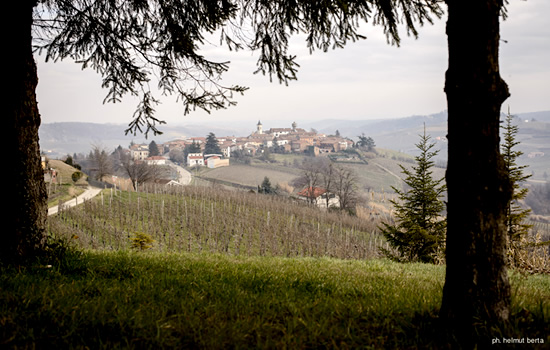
312	192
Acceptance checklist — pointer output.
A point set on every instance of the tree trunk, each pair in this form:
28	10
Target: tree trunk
476	285
27	211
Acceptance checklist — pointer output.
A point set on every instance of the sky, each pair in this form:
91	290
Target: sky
368	79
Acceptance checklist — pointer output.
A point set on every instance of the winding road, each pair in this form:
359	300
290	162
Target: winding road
184	177
90	193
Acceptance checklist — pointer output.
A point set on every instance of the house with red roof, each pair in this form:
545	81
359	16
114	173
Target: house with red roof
195	159
319	196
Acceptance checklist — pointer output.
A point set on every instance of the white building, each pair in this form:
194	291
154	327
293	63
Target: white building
139	153
155	160
195	159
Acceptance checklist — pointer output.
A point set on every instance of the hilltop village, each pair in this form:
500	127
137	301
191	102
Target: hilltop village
281	140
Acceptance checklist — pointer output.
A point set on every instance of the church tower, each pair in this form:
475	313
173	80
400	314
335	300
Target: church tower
259	128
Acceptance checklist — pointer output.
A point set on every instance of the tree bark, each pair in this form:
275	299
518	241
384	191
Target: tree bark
27	211
476	284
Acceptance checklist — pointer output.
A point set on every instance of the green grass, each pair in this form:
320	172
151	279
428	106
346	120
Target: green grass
150	300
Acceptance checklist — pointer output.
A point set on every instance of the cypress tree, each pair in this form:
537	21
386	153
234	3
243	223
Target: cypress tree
419	232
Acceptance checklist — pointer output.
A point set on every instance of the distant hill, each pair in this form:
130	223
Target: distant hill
400	134
389	133
59	139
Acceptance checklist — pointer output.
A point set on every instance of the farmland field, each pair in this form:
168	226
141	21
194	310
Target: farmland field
248	175
379	174
199	219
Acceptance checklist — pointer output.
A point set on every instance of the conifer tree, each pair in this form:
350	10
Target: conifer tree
212	146
191	148
128	42
266	187
515	214
154	149
419	233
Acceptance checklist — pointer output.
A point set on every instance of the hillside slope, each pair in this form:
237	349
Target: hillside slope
65	172
378	175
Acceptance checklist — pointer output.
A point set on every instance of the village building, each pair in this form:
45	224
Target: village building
319	197
139	152
155	160
167	182
199	140
225	147
175	144
287	140
195	159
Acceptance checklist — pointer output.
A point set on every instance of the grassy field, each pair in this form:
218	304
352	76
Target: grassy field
231	269
137	300
378	175
248	175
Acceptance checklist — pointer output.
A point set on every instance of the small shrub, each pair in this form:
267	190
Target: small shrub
142	241
77	175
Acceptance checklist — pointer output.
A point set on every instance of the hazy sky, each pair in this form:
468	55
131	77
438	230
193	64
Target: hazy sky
366	80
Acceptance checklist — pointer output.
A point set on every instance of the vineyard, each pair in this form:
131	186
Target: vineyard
535	255
207	219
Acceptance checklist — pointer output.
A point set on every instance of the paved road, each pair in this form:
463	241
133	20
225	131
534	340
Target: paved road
88	194
184	176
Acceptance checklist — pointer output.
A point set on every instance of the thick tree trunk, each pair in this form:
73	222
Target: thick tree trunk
27	210
476	285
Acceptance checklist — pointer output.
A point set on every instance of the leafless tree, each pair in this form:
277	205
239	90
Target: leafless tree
177	156
101	163
334	178
345	187
311	177
140	172
328	173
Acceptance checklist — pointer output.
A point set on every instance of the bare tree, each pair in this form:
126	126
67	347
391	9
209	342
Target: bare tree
101	162
140	172
177	156
310	178
335	179
345	188
127	42
328	173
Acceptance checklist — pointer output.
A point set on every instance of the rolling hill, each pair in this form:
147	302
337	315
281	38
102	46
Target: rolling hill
399	134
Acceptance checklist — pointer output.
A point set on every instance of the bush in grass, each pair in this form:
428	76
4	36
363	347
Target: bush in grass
142	241
77	175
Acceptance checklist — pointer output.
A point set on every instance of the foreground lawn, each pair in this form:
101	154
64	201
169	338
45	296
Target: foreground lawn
144	300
